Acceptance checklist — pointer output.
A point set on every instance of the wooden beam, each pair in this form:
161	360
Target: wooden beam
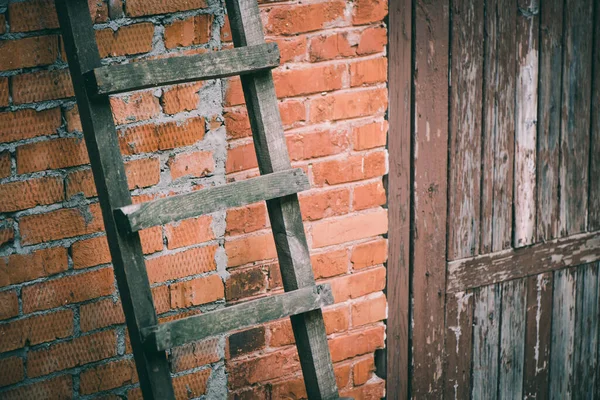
182	331
109	175
518	263
151	73
158	212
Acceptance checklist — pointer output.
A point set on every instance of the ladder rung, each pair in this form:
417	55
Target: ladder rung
205	201
144	74
179	332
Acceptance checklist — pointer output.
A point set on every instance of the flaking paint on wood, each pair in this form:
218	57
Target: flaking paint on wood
459	335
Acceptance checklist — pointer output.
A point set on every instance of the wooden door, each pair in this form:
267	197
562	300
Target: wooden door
494	199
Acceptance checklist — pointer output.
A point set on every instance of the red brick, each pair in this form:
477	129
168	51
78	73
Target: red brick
59	224
152	240
336	319
291	49
226	31
241	158
295	388
188	386
181	98
368	196
151	137
28	123
136	8
246	219
37	15
100	314
178	265
245	283
367	11
107	376
9	304
30	193
372	40
51	154
78	351
161	298
368	72
18	268
190	31
346	105
197	291
3	91
370	391
5	164
244	342
57	388
237	124
281	333
368	254
329	47
330	264
304	146
67	290
329	203
293	19
370	135
292	112
363	370
249	249
263	368
41	86
90	252
349	228
7	235
126	40
11	370
233	92
73	121
369	310
195	354
35	330
196	165
358	284
134	107
353	168
29	52
189	232
356	343
295	82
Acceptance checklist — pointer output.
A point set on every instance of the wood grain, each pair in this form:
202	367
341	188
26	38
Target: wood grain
594	195
152	73
518	263
459	341
512	339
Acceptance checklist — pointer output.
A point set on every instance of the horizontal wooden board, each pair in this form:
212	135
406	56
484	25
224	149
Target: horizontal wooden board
151	73
158	212
518	263
179	332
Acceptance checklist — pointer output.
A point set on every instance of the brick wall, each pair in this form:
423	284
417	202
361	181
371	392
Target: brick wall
62	330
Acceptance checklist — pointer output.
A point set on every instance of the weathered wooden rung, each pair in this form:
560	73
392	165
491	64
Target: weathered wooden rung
158	212
145	74
182	331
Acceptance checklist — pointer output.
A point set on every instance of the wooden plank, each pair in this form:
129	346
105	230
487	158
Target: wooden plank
109	175
526	123
585	360
575	121
432	42
204	201
465	128
284	213
537	336
563	334
399	197
549	116
197	327
518	263
459	340
486	337
594	195
512	340
152	73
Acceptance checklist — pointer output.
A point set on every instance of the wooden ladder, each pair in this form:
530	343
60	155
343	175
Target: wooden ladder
278	184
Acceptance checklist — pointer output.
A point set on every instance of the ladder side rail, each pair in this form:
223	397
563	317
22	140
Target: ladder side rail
284	213
111	182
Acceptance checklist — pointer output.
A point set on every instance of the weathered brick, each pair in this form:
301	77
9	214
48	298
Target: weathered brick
189	231
368	72
4	91
33	192
241	158
72	118
294	388
363	370
100	314
151	137
180	98
78	351
329	203
249	249
5	164
349	228
353	168
41	86
181	264
352	104
51	154
372	40
331	46
244	342
246	219
316	79
293	19
196	165
134	107
9	304
336	319
369	310
37	15
245	283
28	123
7	234
370	135
11	370
57	388
263	368
330	264
107	376
67	290
356	343
136	8
234	94
358	284
190	31
368	254
369	391
18	268
36	329
292	49
126	40
29	52
197	291
367	11
195	354
321	143
368	196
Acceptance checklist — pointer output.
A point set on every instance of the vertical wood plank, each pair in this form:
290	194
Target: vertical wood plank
459	341
526	123
549	117
575	121
465	128
486	332
399	192
563	334
537	336
512	340
594	195
586	332
430	195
